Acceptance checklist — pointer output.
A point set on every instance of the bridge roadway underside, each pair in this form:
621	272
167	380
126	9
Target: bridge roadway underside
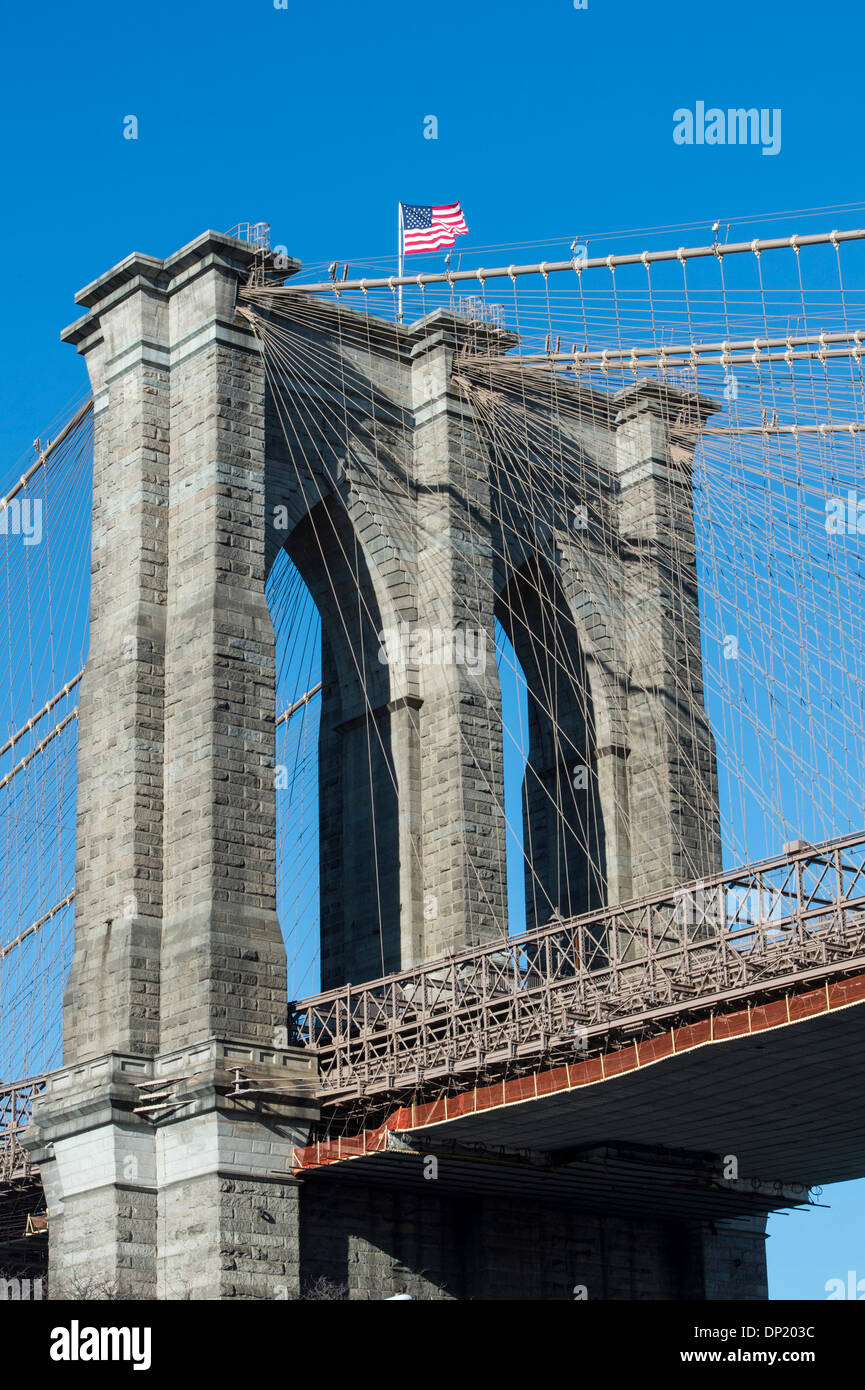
623	1185
611	1177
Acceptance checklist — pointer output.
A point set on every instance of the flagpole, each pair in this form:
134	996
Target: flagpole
399	243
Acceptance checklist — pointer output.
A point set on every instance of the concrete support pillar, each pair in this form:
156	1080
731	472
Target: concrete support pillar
163	1180
223	959
97	1161
613	794
461	771
228	1221
112	995
673	799
725	1260
171	1177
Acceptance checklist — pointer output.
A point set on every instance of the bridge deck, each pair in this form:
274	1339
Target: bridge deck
777	1087
711	945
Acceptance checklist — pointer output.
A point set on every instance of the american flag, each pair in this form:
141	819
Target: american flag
426	228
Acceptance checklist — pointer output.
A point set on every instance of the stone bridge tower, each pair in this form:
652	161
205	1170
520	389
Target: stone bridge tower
160	1174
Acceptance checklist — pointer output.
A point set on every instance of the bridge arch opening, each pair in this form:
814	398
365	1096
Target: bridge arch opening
562	818
297	629
338	861
515	747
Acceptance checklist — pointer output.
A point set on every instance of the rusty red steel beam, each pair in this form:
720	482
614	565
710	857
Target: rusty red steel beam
574	1074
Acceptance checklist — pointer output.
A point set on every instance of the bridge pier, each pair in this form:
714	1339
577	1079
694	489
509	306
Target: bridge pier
673	792
371	1241
177	993
163	1181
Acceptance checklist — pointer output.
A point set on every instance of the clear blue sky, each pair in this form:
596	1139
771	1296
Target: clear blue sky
552	121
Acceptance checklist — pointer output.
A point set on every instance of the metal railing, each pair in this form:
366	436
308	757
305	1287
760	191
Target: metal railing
256	233
16	1104
781	922
475	307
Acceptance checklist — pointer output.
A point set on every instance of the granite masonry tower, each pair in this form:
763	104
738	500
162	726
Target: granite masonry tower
162	1175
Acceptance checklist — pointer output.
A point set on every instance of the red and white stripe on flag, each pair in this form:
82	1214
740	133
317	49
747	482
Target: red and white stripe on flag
426	228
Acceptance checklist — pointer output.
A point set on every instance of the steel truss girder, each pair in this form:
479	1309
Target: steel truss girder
776	924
